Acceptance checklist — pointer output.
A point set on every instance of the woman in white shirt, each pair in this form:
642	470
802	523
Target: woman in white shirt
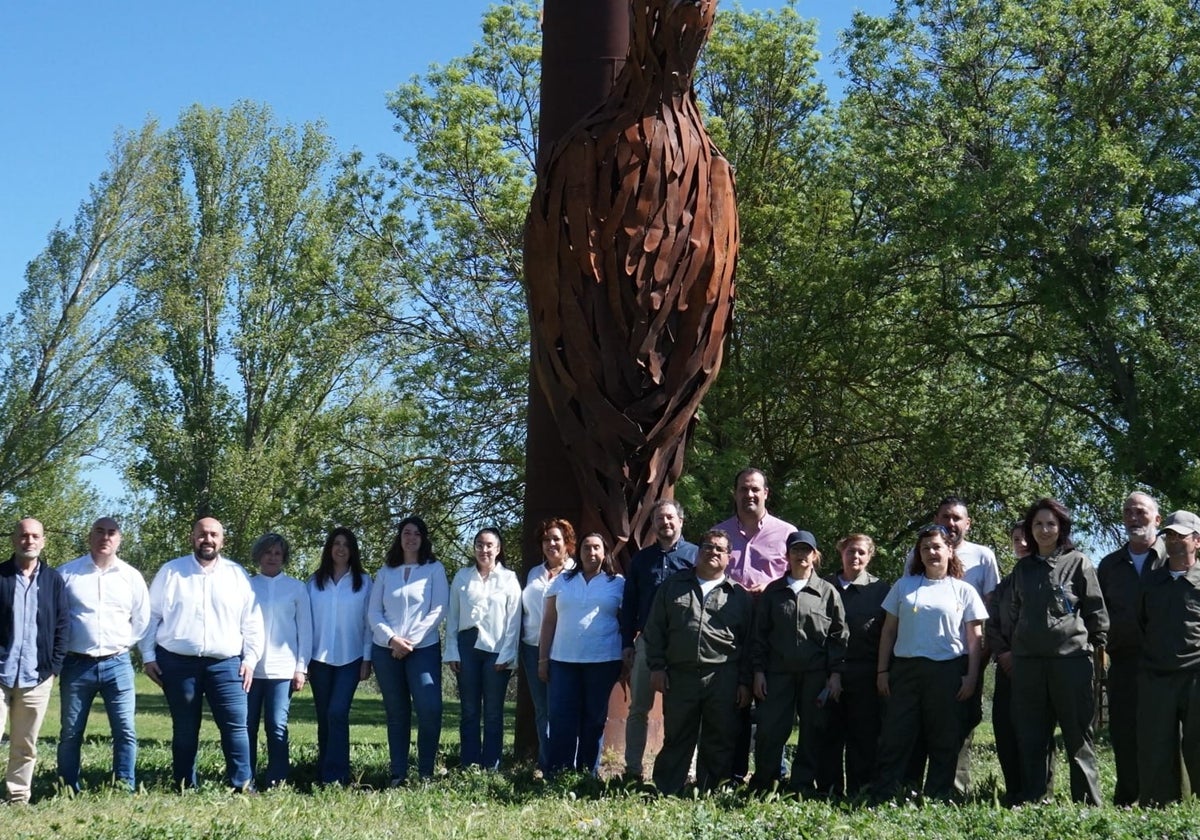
287	622
579	656
483	628
557	538
338	591
933	627
408	604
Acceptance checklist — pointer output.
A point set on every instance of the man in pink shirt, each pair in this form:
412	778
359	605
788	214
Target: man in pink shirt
758	555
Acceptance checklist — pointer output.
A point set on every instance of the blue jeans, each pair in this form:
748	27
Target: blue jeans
186	681
333	688
480	686
81	680
275	697
408	684
578	695
541	705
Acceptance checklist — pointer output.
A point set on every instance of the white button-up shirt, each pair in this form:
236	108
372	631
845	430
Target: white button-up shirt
409	602
287	625
492	605
340	632
110	607
588	628
204	612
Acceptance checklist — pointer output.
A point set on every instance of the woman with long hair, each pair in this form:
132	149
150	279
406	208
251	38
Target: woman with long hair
929	661
338	592
483	629
408	605
580	655
1058	622
557	539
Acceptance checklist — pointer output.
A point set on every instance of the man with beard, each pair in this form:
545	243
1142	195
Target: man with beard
670	553
697	647
204	640
758	555
33	642
1169	682
1121	575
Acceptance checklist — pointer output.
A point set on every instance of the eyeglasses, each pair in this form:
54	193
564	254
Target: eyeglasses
929	530
714	548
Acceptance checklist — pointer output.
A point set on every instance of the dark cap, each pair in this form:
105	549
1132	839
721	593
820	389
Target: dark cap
802	538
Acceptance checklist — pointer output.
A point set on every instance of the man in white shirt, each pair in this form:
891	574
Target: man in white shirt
110	610
205	639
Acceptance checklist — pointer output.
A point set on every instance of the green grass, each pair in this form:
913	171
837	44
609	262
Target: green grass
511	804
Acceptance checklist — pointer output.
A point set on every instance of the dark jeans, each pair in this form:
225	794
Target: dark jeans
481	690
579	693
186	680
333	688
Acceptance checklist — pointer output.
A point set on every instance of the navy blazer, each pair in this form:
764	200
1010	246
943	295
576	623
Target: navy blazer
53	616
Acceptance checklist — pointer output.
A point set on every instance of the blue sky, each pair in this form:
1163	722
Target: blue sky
75	71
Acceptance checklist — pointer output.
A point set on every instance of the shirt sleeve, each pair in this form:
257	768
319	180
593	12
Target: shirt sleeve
149	638
304	628
891	601
139	610
435	612
253	632
453	613
511	637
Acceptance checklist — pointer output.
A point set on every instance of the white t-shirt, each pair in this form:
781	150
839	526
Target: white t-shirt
932	616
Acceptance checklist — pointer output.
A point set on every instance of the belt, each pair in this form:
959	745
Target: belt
88	658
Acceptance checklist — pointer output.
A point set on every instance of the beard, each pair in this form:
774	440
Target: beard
207	553
1141	533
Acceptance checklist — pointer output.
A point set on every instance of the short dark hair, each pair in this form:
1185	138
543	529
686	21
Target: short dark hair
737	479
951	501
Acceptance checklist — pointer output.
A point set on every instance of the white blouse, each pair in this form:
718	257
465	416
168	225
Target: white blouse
589	627
340	620
287	622
533	601
408	601
492	605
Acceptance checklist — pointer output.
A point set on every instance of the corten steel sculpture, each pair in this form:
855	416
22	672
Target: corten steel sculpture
630	251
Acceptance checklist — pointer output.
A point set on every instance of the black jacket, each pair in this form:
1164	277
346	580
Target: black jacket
53	616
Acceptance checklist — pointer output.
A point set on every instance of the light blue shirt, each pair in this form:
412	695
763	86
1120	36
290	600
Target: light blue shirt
20	669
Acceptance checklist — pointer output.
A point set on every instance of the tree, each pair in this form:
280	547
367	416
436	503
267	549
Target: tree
56	391
1034	167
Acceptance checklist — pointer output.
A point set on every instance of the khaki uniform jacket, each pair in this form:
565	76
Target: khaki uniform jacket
687	631
1168	615
1056	608
1120	585
799	631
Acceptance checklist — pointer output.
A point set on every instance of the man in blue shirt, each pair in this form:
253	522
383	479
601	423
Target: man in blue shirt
33	642
670	553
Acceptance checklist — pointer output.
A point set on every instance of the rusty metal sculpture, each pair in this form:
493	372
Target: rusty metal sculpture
630	251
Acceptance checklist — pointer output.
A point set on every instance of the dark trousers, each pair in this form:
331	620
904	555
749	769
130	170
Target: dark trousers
1008	751
1169	719
852	729
922	702
1123	726
790	696
1052	688
699	713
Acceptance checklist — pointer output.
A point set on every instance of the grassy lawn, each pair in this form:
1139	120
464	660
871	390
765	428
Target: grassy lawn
511	804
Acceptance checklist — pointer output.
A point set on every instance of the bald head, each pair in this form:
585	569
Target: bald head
208	536
28	539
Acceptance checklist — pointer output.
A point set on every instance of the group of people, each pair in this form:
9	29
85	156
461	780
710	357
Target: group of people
741	635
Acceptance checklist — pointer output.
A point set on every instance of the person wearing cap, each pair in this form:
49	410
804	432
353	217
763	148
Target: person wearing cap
796	652
758	555
109	608
1121	576
928	669
1059	626
1168	614
697	648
